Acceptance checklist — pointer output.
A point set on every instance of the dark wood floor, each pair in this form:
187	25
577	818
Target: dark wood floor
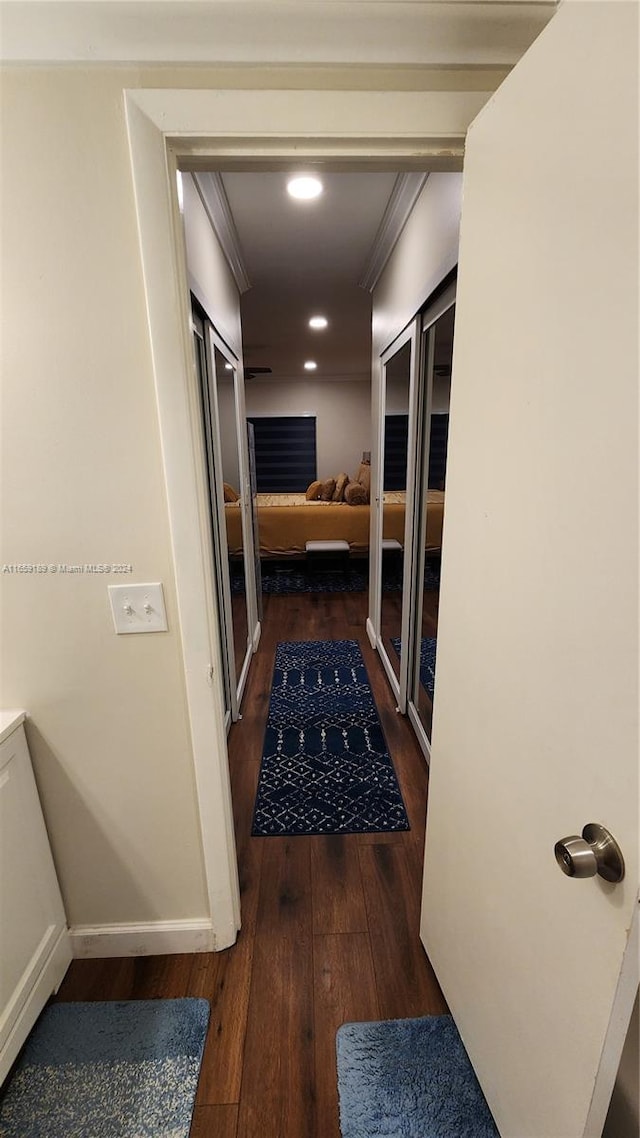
329	934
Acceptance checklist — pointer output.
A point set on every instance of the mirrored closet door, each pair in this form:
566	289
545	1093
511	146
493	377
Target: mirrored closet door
221	418
395	478
432	414
234	497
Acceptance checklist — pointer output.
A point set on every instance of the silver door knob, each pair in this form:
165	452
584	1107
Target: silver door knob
595	852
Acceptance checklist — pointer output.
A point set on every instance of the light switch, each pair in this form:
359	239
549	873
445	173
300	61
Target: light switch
138	608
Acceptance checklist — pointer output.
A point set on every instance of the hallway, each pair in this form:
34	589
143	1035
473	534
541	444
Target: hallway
330	925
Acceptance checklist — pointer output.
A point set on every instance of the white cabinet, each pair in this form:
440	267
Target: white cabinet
35	949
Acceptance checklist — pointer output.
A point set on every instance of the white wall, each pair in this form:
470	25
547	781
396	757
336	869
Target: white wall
83	483
209	274
426	251
213	284
441	394
343	417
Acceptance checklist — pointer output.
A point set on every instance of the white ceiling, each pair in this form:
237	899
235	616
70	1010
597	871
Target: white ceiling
303	259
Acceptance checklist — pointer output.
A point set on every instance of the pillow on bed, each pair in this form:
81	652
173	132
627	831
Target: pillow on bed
341	485
364	477
356	494
230	495
326	490
313	491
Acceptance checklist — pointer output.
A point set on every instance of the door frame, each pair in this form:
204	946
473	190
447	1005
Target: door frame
177	129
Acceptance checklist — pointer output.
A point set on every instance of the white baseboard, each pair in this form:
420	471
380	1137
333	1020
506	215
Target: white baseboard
371	633
154	939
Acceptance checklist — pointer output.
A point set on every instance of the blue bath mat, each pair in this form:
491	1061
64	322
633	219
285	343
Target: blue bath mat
325	765
409	1078
108	1070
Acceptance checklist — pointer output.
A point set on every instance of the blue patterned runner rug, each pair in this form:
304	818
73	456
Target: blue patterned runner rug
325	764
108	1070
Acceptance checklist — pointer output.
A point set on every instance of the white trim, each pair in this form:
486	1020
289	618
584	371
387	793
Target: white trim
257	632
216	203
168	312
157	938
407	630
419	130
419	730
406	191
346	124
371	633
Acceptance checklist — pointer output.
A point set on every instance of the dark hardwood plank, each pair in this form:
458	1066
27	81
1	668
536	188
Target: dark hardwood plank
337	894
128	978
405	980
108	979
278	1087
214	1122
344	992
284	905
224	979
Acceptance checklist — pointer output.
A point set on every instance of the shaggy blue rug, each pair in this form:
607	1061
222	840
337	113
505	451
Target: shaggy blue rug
325	765
409	1078
108	1070
427	661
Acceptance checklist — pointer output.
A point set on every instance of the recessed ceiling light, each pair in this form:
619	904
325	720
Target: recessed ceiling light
310	365
229	367
318	322
304	187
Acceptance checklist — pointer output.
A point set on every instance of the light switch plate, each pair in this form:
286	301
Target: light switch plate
138	608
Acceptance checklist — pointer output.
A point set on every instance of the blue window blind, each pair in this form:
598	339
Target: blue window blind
285	449
438	450
396	437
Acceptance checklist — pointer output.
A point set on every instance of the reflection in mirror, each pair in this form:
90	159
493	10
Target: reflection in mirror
397	375
434	432
226	392
208	444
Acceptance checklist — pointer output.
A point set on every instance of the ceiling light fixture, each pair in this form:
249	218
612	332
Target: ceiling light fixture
304	187
310	365
318	322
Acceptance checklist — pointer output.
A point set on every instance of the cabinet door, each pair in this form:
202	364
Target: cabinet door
32	918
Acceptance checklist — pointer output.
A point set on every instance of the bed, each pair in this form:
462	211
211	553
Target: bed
287	521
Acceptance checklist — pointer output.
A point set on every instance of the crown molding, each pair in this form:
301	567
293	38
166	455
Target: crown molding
212	193
270	32
404	195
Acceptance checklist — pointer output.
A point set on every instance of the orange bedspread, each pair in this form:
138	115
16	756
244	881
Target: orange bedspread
287	521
